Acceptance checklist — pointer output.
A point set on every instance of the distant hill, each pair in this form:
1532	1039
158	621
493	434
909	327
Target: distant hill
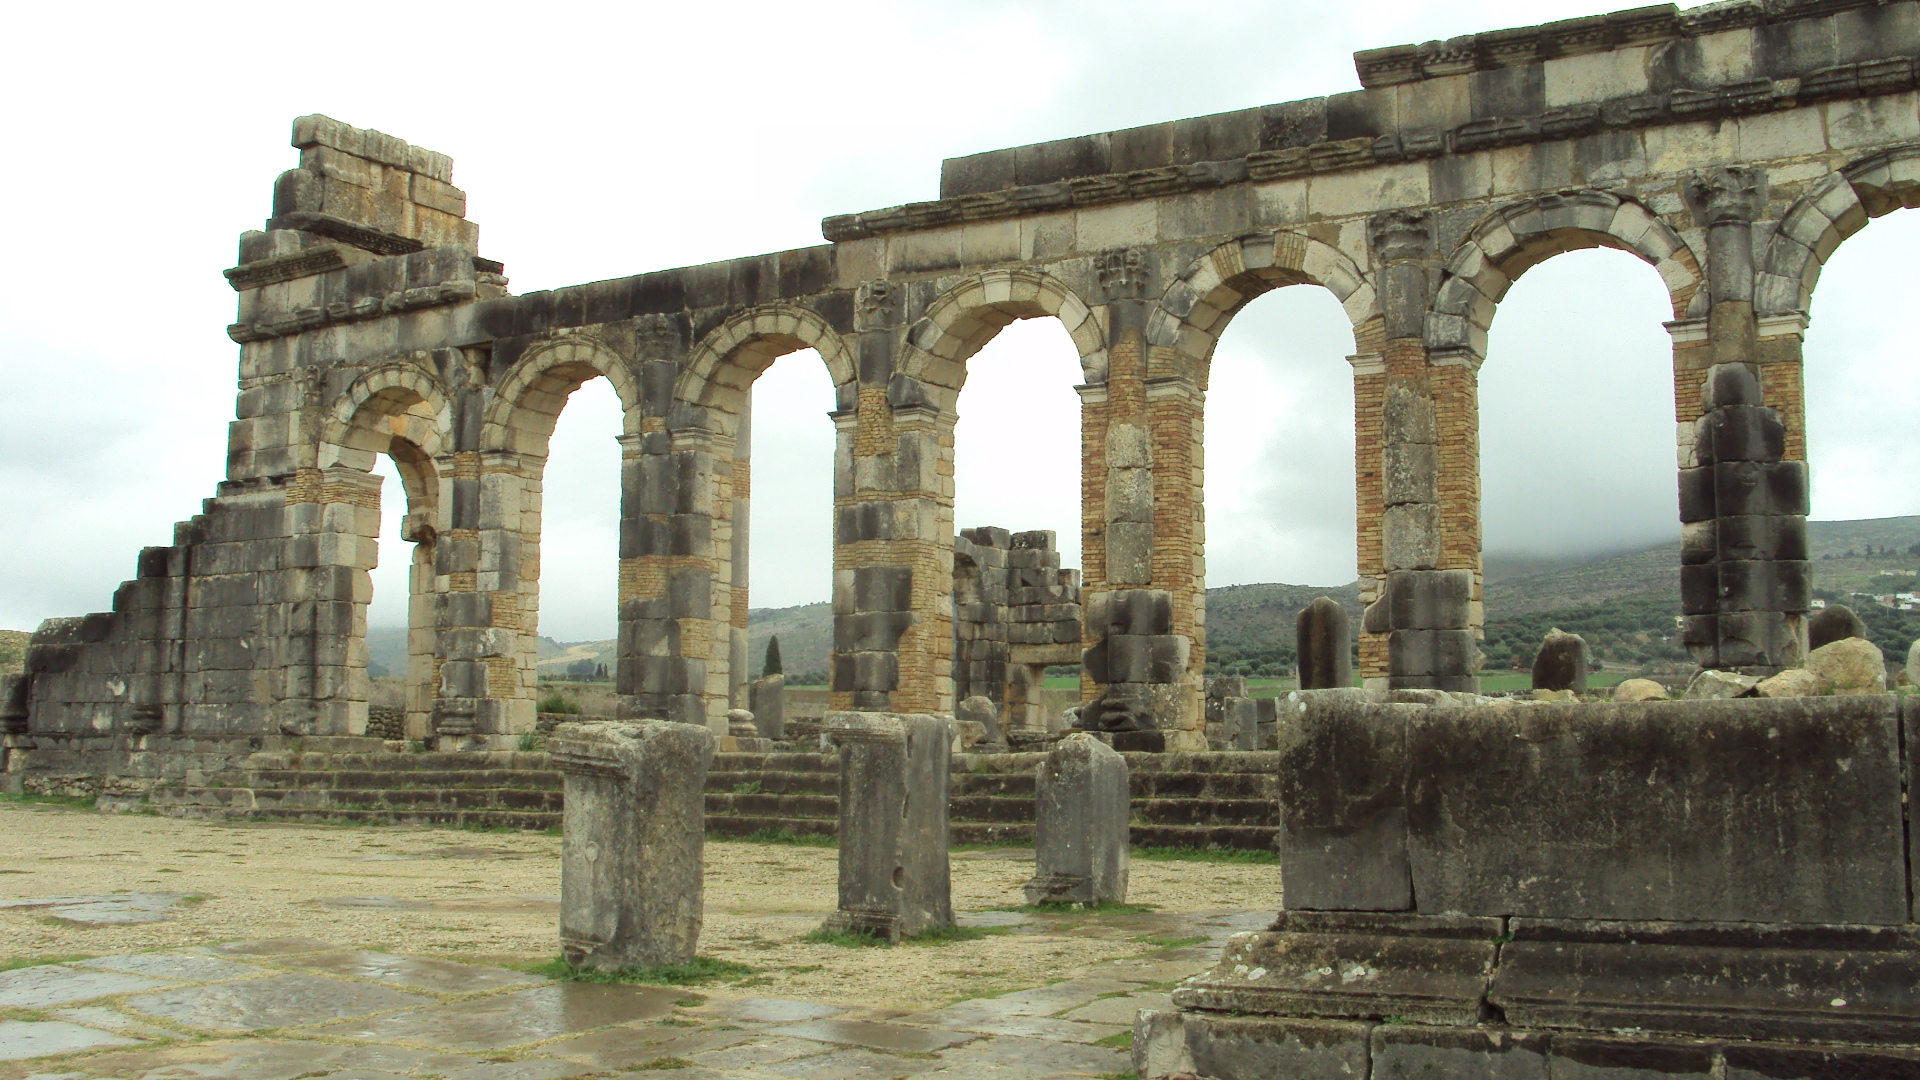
1624	602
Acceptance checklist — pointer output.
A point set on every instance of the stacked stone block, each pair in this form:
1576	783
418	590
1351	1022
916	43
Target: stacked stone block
1016	612
1745	582
1141	663
894	779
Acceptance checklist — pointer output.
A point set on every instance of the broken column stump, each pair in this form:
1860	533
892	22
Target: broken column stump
635	823
1081	818
1324	645
981	710
767	700
1561	663
893	823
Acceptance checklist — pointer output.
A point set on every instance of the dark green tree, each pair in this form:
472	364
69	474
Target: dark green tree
772	666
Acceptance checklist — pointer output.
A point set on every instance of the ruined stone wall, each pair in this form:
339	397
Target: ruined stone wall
1732	148
1016	613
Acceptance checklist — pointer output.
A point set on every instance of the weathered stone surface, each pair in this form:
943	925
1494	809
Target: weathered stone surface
1081	817
1561	662
981	710
1851	665
1793	682
1639	690
1324	645
1183	1044
1835	622
1715	685
767	700
1343	825
740	724
630	866
894	780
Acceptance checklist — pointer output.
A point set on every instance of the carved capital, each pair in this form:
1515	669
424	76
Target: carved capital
1122	274
656	337
1723	196
1401	235
876	304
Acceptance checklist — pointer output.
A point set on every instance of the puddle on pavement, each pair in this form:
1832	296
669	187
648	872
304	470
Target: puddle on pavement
113	909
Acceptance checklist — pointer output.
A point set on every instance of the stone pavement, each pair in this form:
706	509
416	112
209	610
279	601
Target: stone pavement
301	1008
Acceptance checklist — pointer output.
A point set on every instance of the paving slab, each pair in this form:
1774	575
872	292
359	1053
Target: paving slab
57	984
630	1047
1033	1057
529	1069
107	909
1119	1010
1041	1027
416	972
505	1020
772	1010
107	1019
289	1000
876	1034
855	1064
759	1051
177	966
38	1038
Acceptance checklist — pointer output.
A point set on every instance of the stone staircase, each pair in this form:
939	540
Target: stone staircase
1223	800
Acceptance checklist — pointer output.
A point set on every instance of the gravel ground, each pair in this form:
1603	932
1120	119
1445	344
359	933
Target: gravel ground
493	898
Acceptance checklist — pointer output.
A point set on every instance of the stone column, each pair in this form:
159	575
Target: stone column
1323	645
489	561
333	524
1081	815
738	669
1745	581
670	618
1429	528
630	864
894	782
767	698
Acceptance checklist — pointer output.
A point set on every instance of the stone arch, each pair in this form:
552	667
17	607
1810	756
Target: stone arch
530	396
967	315
1831	211
396	409
1205	296
1521	235
719	374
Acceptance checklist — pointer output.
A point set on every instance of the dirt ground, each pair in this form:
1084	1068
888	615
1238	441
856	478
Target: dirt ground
494	898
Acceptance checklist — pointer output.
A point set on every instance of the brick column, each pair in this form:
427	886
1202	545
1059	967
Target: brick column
1093	524
1429	486
487	582
1369	507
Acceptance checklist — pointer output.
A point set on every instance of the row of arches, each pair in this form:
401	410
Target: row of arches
399	413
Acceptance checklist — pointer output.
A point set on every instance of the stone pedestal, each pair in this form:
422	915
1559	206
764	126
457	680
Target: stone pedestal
1081	817
767	700
630	874
893	823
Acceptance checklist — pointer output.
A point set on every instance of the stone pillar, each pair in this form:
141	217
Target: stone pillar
489	559
1323	645
1429	526
1745	579
630	873
333	523
739	673
767	697
670	618
894	781
1081	816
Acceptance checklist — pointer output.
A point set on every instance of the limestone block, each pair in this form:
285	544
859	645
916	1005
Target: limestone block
1081	825
1130	552
630	868
1849	666
1242	717
1835	622
1129	446
1639	690
1793	682
981	710
1324	645
767	699
894	781
1561	662
1409	537
1713	685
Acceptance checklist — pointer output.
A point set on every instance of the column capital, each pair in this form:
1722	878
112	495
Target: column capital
1727	196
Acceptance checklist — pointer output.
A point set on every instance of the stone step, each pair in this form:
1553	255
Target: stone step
772	805
812	783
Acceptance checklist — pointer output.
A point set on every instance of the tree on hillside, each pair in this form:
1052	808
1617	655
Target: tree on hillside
772	666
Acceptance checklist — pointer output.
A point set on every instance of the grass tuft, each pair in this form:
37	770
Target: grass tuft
698	972
73	802
846	939
782	836
36	961
1165	943
947	935
1119	1040
751	787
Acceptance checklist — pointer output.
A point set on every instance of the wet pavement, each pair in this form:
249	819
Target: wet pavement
303	1008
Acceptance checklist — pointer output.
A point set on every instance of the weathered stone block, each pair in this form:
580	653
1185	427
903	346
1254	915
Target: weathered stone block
1341	784
767	700
1324	645
1561	662
894	780
1081	825
630	868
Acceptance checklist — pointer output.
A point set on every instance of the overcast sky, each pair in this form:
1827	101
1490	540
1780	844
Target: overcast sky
601	141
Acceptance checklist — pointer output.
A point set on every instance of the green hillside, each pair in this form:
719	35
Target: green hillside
1624	603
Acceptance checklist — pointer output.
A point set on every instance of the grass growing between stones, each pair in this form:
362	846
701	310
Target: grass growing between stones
1162	944
1119	1040
1213	855
37	961
700	971
72	802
